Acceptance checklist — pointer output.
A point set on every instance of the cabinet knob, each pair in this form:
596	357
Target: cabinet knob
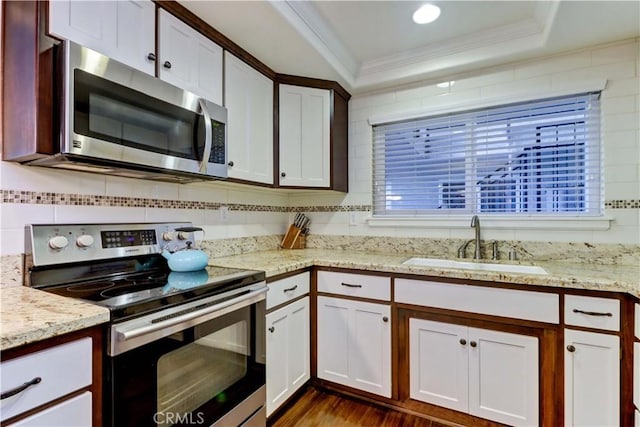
230	163
167	64
473	344
385	319
271	329
151	56
571	348
282	174
463	341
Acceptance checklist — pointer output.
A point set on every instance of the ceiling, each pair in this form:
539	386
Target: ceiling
370	45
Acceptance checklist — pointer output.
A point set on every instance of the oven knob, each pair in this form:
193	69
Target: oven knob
58	242
183	235
167	236
84	241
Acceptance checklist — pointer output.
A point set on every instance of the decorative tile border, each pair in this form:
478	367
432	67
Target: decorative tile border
49	198
622	204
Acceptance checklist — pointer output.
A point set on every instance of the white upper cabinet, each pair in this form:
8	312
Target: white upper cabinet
188	59
304	127
249	102
122	30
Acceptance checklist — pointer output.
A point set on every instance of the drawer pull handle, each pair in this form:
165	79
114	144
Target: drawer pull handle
271	329
385	319
349	285
592	313
293	288
571	348
20	389
473	344
463	341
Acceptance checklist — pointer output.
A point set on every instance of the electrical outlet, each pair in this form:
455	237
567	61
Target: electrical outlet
224	213
353	220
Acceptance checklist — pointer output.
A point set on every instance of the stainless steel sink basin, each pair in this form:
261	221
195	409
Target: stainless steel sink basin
480	266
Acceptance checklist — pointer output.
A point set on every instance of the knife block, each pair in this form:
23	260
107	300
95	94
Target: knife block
293	239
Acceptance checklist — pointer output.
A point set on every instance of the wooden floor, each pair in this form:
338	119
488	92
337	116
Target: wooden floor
323	408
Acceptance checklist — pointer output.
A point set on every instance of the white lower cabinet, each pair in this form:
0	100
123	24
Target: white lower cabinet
354	344
489	374
592	379
287	351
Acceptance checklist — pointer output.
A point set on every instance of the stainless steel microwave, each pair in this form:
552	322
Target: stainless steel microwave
120	121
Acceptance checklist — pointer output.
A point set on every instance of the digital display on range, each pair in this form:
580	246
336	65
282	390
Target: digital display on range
125	238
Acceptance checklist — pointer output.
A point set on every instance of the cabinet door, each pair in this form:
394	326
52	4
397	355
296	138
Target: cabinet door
370	347
591	379
249	102
333	339
354	344
299	345
287	352
188	59
304	126
438	363
503	377
75	412
123	30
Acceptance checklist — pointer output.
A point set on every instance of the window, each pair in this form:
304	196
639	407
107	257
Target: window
534	158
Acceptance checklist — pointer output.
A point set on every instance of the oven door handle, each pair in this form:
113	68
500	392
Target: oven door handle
236	303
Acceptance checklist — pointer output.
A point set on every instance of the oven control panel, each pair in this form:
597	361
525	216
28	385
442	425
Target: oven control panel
48	244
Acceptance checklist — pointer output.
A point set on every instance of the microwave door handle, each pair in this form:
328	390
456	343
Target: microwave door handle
208	136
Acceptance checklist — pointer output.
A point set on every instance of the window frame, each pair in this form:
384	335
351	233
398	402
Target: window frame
597	217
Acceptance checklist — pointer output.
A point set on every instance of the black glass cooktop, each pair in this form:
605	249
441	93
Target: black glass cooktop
141	292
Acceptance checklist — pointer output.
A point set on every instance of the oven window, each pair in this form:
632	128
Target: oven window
203	370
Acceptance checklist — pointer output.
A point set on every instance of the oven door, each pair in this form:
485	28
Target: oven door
210	372
115	113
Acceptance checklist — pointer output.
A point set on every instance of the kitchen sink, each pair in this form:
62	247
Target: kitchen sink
480	266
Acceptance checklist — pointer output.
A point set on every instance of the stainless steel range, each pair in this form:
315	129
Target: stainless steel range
183	348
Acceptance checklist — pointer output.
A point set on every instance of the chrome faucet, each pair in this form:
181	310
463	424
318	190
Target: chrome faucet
462	250
475	223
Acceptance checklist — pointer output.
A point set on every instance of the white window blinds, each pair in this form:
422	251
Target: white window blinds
534	158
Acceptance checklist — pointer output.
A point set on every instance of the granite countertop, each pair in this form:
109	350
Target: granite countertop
28	315
561	274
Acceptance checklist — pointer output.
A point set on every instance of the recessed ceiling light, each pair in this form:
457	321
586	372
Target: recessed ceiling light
426	13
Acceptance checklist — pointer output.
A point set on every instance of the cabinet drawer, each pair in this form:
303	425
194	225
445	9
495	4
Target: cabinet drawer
75	412
637	316
526	305
287	289
357	285
592	312
62	369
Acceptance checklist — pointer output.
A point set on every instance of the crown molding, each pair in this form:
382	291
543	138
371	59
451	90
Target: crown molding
479	47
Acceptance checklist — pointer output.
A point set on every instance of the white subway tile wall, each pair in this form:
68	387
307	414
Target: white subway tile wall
618	63
227	210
